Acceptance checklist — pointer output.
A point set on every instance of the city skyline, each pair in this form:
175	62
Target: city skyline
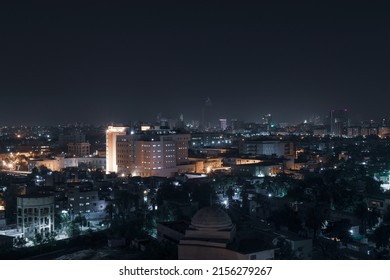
105	63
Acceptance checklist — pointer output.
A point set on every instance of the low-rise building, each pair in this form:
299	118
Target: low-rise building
79	149
35	214
261	169
86	203
211	235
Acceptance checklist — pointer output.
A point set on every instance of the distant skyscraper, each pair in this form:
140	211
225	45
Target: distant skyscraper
223	124
111	135
338	122
267	121
316	120
206	114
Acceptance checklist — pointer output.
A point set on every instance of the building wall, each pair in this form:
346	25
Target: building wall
159	155
52	164
305	245
188	252
259	170
79	149
35	215
111	138
182	148
59	163
85	203
165	233
269	148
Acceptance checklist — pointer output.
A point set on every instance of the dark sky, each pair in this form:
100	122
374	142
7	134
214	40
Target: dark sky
113	62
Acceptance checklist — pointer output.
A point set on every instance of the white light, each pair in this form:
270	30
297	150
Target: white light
269	195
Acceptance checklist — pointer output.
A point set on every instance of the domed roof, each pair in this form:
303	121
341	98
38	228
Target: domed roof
209	218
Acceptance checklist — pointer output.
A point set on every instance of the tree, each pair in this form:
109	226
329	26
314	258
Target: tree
73	230
314	219
110	212
284	251
329	249
20	242
381	236
339	230
361	212
386	216
38	239
372	186
373	218
286	217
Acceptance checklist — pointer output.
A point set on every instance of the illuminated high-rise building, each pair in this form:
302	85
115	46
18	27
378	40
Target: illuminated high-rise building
206	114
152	153
223	124
111	136
338	122
267	121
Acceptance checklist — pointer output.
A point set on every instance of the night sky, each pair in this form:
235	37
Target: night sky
113	63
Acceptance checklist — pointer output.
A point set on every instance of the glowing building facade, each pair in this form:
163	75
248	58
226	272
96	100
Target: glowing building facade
152	153
111	138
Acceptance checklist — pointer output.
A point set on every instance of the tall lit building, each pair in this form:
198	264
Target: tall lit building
207	114
338	122
111	137
223	124
152	153
267	121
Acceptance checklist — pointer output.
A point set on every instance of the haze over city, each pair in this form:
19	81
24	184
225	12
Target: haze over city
113	63
190	130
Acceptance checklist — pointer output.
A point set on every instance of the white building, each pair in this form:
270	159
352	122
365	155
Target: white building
61	162
111	137
35	214
156	153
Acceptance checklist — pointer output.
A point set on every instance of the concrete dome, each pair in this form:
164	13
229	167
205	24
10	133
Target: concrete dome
209	218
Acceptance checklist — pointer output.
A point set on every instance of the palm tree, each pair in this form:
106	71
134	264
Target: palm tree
314	219
361	212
